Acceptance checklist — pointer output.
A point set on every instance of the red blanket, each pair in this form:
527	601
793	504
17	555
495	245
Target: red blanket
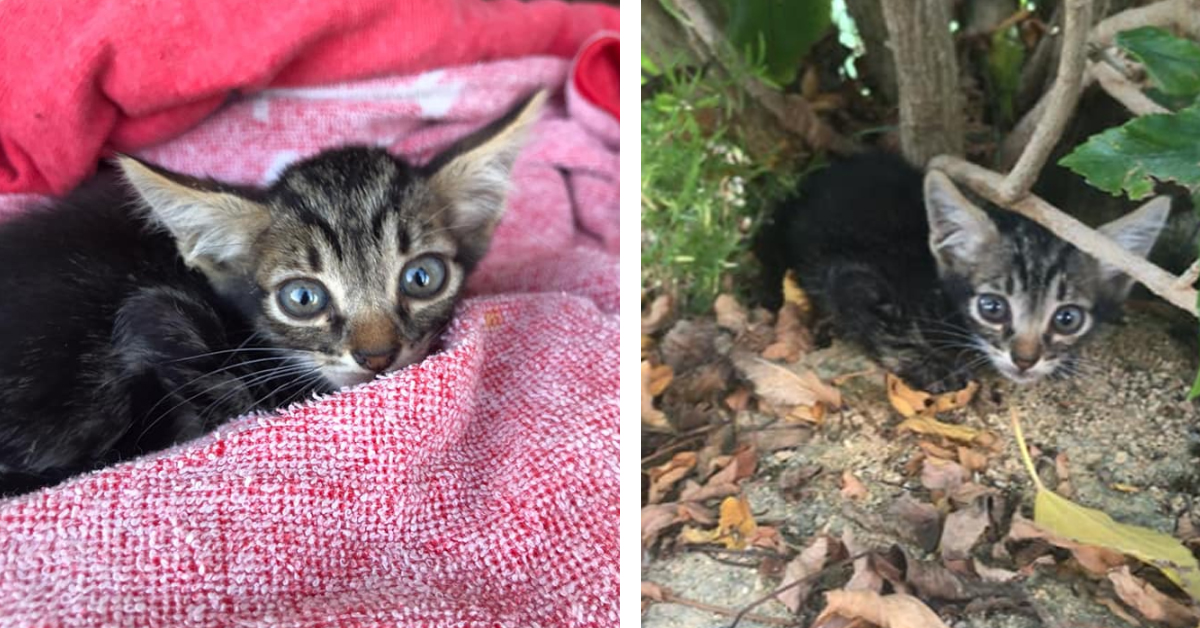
477	488
78	77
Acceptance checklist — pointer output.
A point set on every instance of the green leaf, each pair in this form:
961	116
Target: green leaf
1195	391
1129	157
781	30
1087	526
649	67
1172	62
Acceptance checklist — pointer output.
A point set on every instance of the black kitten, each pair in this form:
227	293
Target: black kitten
149	307
931	285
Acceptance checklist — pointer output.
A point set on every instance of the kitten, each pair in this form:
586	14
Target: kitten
145	309
932	286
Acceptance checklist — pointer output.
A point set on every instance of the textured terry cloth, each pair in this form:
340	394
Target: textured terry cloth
477	488
79	77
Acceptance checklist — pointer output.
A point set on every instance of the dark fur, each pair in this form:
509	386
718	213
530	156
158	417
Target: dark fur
112	345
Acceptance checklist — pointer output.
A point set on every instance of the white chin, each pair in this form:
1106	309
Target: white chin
1023	377
340	377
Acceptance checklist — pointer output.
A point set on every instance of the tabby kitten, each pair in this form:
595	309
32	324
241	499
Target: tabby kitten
147	308
933	286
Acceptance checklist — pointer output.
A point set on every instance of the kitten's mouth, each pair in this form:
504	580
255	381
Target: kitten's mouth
345	372
1038	372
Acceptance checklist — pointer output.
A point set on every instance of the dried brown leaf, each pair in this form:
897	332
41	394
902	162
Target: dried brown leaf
767	537
664	476
656	518
1150	602
808	563
746	458
730	314
660	377
656	316
994	574
792	338
962	530
936	451
910	402
653	591
653	419
959	433
864	578
723	483
887	611
793	480
933	581
735	527
972	460
1093	559
942	475
852	487
917	521
739	399
783	387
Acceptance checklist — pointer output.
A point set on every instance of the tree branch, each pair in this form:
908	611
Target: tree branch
1123	90
932	120
1063	96
1182	14
987	184
792	112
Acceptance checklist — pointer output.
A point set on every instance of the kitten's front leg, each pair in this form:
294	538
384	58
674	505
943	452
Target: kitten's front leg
174	363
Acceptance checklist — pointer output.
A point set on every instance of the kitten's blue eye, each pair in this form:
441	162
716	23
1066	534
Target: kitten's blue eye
302	298
423	277
993	308
1068	319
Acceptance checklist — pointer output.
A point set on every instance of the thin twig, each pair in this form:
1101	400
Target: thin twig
987	183
744	613
1063	96
792	112
1123	90
1182	14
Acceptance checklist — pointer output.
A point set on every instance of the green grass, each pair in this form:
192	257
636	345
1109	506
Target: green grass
702	193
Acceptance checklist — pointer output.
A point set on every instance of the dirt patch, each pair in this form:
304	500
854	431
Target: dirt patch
1123	428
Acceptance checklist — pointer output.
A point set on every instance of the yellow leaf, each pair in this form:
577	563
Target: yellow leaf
736	523
661	376
910	402
1092	527
792	293
959	433
653	419
734	528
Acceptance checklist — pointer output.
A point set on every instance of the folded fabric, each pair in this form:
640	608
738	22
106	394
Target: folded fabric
80	78
477	488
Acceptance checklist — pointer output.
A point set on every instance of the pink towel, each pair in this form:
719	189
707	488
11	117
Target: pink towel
477	488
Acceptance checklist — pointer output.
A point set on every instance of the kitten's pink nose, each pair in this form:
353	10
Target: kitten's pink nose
1025	362
375	360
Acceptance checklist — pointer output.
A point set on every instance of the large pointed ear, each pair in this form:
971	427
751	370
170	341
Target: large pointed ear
959	232
214	228
1136	232
473	175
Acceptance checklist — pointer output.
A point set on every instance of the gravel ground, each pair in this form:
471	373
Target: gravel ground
1127	422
